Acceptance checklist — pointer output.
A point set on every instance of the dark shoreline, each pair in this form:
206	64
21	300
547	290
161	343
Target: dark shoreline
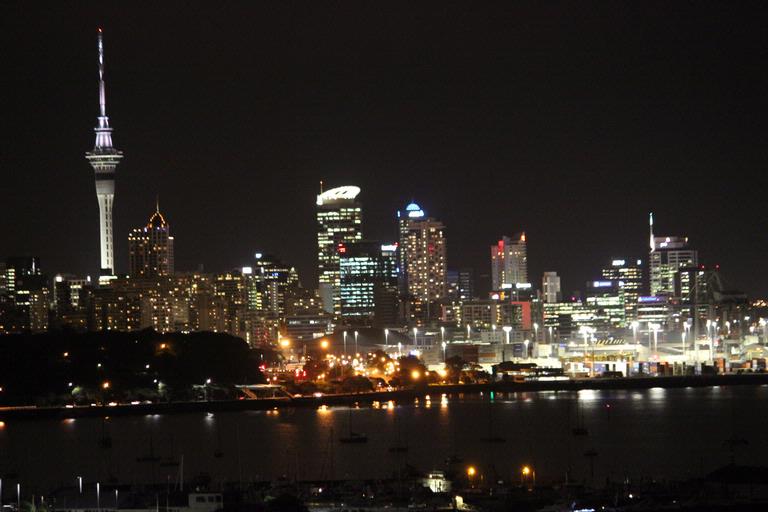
34	413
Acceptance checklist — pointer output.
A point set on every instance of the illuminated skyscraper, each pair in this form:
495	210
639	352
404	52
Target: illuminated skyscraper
422	263
607	298
667	256
271	284
509	262
339	221
369	292
104	159
628	274
150	248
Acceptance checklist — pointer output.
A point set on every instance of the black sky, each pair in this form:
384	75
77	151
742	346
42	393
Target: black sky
569	120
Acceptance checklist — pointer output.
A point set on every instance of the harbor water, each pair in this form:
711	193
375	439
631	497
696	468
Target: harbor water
654	433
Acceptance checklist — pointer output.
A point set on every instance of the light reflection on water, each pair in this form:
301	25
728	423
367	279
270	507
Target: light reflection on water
672	433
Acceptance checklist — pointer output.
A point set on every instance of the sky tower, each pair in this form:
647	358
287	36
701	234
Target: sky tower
104	158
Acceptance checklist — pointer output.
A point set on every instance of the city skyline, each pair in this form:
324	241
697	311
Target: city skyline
383	256
257	213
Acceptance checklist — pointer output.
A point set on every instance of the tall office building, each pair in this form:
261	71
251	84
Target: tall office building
104	159
150	248
369	291
461	284
422	263
339	221
509	262
71	300
29	304
270	285
607	298
667	256
628	273
550	288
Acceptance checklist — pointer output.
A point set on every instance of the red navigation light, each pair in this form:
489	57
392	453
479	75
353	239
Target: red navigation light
99	29
342	249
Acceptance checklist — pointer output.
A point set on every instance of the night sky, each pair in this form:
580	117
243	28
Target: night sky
570	121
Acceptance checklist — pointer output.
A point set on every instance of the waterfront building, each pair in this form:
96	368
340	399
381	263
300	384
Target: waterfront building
653	310
422	264
104	158
509	262
551	290
565	319
150	248
667	255
628	273
339	221
369	283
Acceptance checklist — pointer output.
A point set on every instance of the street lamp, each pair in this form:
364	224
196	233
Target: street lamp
586	331
682	342
386	337
471	472
444	345
507	329
527	476
399	349
344	336
442	334
468	331
526	342
356	349
655	329
535	332
634	326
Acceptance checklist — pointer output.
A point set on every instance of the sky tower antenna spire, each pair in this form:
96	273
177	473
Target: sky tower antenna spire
102	94
650	226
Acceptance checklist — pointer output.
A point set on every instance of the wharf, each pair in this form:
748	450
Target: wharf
32	412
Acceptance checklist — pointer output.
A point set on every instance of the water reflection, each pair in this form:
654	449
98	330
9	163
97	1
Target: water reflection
625	430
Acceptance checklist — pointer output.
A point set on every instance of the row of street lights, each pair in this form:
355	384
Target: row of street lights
80	490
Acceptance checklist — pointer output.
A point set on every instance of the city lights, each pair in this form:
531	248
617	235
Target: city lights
355	191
